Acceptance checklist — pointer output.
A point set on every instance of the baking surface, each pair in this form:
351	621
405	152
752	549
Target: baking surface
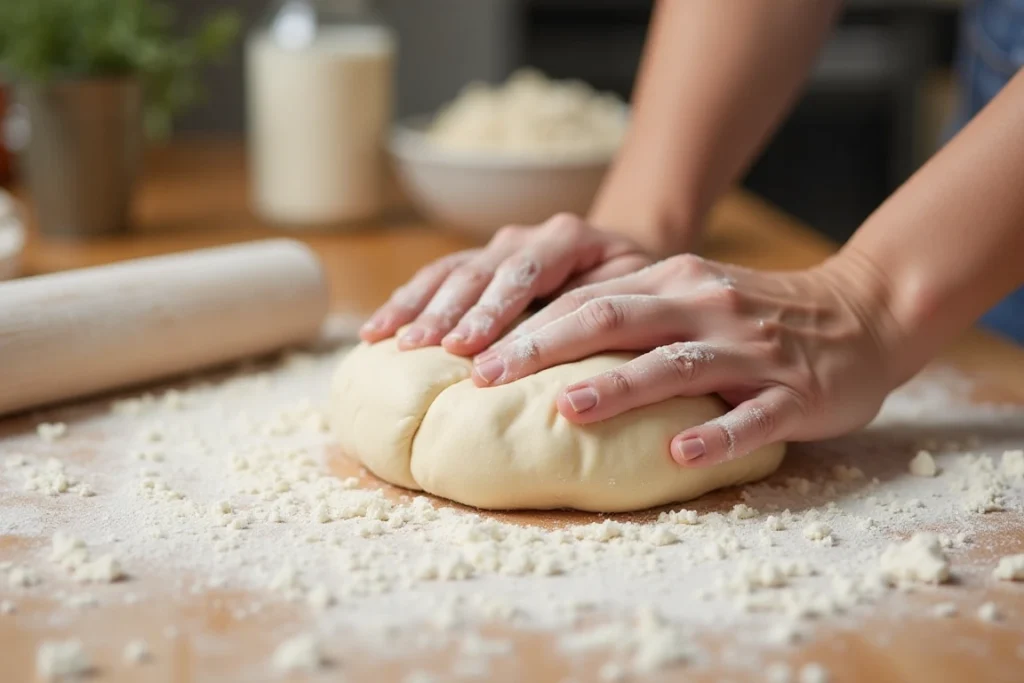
209	600
203	547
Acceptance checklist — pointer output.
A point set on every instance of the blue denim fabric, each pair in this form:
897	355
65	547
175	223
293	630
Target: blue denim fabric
991	51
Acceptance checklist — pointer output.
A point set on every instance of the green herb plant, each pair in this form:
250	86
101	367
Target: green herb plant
46	40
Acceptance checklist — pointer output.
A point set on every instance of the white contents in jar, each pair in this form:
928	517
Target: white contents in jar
319	103
531	115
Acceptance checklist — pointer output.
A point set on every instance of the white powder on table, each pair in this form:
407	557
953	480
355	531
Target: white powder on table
241	498
60	659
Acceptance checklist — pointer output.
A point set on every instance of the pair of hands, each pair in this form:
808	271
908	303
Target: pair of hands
798	356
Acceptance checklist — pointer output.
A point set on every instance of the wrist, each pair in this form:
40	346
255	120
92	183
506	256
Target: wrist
887	305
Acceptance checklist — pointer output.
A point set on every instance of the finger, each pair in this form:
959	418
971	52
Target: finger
680	369
459	291
615	268
410	299
523	277
603	324
568	303
752	424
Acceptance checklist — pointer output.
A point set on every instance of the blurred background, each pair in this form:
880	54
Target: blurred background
874	110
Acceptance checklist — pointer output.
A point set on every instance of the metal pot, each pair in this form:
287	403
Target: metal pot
82	144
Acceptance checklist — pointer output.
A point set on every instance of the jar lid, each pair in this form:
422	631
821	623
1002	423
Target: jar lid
296	23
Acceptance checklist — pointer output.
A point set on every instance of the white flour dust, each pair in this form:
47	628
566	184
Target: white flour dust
225	484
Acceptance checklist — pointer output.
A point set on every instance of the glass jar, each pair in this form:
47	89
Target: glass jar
319	77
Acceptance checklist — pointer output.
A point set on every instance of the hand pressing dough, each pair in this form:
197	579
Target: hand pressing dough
415	419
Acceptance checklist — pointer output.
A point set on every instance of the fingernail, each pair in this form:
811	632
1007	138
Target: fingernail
412	336
582	399
491	370
688	449
371	325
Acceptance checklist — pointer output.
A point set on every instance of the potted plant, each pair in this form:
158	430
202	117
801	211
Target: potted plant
90	78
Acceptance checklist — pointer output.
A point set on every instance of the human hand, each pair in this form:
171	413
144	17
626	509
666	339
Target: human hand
800	356
464	301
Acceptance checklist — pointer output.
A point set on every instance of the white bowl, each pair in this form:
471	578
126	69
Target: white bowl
12	237
477	193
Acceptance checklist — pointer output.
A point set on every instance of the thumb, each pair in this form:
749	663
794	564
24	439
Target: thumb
752	424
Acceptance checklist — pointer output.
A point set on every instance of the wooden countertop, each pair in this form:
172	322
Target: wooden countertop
195	195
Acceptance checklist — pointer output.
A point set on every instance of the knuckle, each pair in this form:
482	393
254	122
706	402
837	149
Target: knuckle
446	264
520	271
508	234
724	297
681	361
564	219
565	223
618	381
525	351
573	300
602	315
687	265
472	275
762	420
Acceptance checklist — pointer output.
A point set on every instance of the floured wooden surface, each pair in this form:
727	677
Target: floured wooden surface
238	527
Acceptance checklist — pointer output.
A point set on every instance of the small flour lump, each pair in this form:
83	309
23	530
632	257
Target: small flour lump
415	419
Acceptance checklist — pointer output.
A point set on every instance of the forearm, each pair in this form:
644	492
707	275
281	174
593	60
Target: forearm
949	244
715	81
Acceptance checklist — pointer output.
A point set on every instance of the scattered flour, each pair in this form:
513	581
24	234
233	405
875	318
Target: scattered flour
236	491
923	465
990	612
61	659
136	652
919	560
299	653
813	672
50	432
1010	568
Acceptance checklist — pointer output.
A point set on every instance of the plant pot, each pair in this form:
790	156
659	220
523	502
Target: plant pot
83	153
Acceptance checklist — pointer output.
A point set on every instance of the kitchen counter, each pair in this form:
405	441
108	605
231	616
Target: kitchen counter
194	196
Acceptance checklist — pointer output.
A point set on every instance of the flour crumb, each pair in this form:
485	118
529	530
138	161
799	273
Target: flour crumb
1010	568
919	560
923	465
945	610
812	672
300	653
779	672
990	612
8	607
741	511
612	672
1012	464
57	659
23	577
817	531
136	652
320	597
52	431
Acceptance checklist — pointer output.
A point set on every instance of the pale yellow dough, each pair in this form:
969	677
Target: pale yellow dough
415	419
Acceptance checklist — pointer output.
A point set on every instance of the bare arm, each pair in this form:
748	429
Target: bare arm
949	243
716	79
800	355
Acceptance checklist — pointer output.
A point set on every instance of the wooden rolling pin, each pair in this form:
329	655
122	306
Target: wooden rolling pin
85	331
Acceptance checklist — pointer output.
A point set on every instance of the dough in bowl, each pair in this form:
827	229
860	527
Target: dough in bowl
415	419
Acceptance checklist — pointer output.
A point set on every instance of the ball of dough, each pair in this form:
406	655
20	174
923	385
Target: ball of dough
415	418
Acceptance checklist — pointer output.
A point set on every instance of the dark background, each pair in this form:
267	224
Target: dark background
873	111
